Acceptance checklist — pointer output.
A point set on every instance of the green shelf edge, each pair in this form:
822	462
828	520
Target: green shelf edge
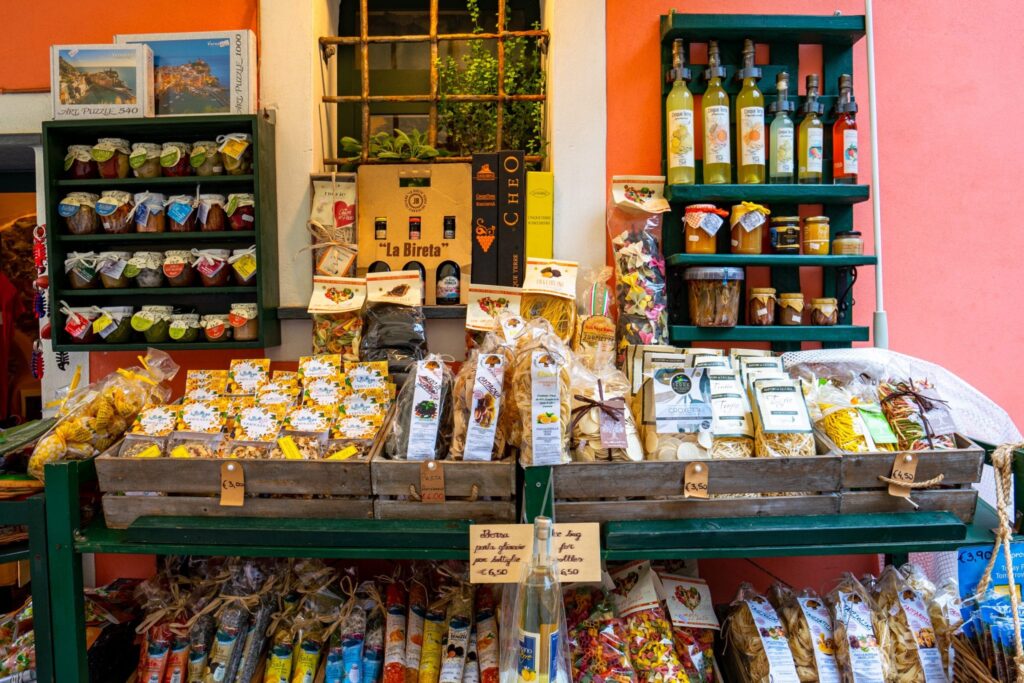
801	28
166	346
130	237
771	333
453	312
15	552
14	512
154	291
191	181
768	194
769	260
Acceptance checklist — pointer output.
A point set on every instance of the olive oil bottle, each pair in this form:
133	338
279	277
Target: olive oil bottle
844	135
812	136
781	136
679	138
750	155
717	153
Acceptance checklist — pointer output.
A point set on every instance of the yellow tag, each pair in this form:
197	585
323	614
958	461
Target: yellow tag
344	453
233	148
245	266
232	484
431	482
288	447
180	452
151	452
101	323
578	547
695	480
904	469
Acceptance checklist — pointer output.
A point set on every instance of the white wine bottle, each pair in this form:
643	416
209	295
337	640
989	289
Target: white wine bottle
538	617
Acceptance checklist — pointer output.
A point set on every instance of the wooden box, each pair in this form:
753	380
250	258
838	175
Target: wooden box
480	491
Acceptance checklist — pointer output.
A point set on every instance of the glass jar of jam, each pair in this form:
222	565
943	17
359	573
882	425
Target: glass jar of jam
79	164
761	306
702	222
153	322
212	217
747	227
145	159
112	266
181	213
215	327
116	209
118	327
816	235
785	235
174	161
243	265
241	211
212	265
149	212
244	320
791	308
78	210
824	311
178	268
111	157
78	323
147	267
236	152
849	243
184	327
80	267
205	159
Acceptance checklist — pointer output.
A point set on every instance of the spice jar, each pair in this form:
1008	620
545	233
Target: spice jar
244	323
147	267
212	265
178	268
78	323
79	164
153	322
80	268
791	308
184	327
241	211
702	222
111	157
149	212
848	243
215	327
205	159
785	235
236	153
243	265
145	159
78	210
112	266
824	311
747	225
181	211
115	209
174	159
114	324
761	306
714	295
212	217
816	234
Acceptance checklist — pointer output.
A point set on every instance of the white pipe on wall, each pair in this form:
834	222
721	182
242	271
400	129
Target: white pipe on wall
881	321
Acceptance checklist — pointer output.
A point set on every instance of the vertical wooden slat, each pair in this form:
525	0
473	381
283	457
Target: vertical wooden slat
501	75
364	58
432	122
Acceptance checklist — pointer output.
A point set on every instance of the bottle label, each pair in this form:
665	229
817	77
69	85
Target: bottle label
680	138
546	409
426	410
752	136
849	152
784	150
814	150
529	654
448	288
483	417
716	135
819	623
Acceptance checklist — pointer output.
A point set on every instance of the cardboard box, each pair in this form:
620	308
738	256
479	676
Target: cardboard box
202	73
394	194
101	81
511	218
485	219
540	214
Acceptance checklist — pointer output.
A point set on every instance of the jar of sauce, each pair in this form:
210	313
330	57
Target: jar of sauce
145	159
816	235
236	152
119	329
79	164
243	265
212	265
78	323
215	327
153	322
848	243
244	320
241	211
701	224
824	311
112	266
184	327
174	159
761	306
178	268
147	267
116	209
181	213
80	267
785	235
111	157
212	217
205	159
747	222
149	212
791	308
78	210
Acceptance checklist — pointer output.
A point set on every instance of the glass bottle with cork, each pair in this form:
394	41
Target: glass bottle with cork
538	617
750	156
679	139
811	143
844	135
781	134
715	104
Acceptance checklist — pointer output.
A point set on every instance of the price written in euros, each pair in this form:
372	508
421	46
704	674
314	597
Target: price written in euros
228	484
696	486
903	475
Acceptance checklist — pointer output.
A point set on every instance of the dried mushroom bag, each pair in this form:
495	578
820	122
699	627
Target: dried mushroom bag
603	427
478	398
676	414
782	423
758	638
541	390
809	631
422	426
860	651
914	653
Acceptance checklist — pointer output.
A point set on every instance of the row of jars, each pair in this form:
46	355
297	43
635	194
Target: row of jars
118	212
159	324
747	225
764	307
175	268
715	293
115	158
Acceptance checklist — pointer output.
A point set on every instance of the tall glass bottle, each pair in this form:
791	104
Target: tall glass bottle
750	155
538	618
844	135
715	105
781	154
812	132
679	140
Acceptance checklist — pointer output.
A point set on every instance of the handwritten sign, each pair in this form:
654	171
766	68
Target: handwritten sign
431	482
695	480
232	484
499	553
904	469
578	549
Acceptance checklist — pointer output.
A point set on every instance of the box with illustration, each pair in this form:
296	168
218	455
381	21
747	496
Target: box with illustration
101	81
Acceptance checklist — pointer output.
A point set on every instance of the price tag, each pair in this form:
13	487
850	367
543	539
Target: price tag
578	549
288	447
102	323
695	480
232	484
500	552
431	482
245	266
904	469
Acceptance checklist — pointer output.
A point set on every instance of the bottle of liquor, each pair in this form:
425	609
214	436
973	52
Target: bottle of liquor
449	283
717	160
378	267
415	231
750	156
781	134
679	138
418	267
538	617
449	228
380	228
812	132
844	135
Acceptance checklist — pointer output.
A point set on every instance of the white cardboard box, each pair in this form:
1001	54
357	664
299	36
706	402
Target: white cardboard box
101	81
202	73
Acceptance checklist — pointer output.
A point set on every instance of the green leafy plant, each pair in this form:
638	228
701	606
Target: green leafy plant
399	146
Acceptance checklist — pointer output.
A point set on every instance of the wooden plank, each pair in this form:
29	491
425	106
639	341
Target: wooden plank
492	479
960	466
121	511
961	502
682	508
478	511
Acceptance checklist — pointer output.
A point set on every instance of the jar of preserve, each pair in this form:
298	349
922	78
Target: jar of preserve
174	159
816	235
747	227
244	322
243	265
791	308
241	211
212	265
702	222
79	164
80	267
111	157
115	209
215	327
114	324
212	217
848	243
149	212
153	322
761	306
184	327
78	210
145	159
147	267
824	311
181	213
785	235
714	295
78	323
236	153
112	266
205	158
178	268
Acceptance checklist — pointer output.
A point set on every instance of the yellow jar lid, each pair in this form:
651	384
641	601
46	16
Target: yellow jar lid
786	219
825	301
762	290
816	219
791	295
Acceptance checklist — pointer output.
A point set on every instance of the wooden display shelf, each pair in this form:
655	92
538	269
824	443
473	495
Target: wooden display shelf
156	291
768	260
149	237
143	183
770	333
826	29
769	194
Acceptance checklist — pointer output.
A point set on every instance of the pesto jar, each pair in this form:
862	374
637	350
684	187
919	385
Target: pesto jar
184	327
153	322
145	159
205	159
119	329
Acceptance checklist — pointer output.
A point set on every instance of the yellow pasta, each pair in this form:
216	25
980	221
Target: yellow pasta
541	355
855	620
746	636
558	311
802	644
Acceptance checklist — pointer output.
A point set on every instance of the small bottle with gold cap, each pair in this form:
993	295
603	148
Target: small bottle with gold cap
812	132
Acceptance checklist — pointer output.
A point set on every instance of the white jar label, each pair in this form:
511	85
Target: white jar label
752	136
680	138
716	135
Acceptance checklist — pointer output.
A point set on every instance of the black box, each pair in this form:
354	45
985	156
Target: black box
485	219
511	218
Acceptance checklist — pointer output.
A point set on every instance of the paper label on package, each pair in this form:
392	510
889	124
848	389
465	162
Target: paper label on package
307	419
179	212
257	423
557	278
485	303
781	406
757	364
357	428
202	417
155	421
426	410
921	625
819	622
113	268
635	588
640	193
247	376
752	220
680	138
364	403
701	360
104	325
784	150
781	667
334	260
877	426
324	391
730	407
865	656
512	326
483	410
545	409
323	365
689	602
337	294
245	266
710	223
367	375
404	287
682	402
850	151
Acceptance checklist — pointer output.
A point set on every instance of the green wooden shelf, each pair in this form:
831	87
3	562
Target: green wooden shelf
168	346
142	183
15	552
456	312
147	237
20	436
769	194
157	291
825	29
771	333
769	260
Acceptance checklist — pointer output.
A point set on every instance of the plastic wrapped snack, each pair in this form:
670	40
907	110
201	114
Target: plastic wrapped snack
648	631
484	305
595	329
809	630
676	415
336	306
393	322
917	414
694	624
549	292
860	652
603	427
541	389
422	426
597	639
944	610
914	652
782	424
758	637
478	397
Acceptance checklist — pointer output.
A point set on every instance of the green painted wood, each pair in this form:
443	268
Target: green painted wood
14	552
167	346
769	194
234	292
538	493
776	333
826	28
40	572
187	182
240	237
14	512
768	260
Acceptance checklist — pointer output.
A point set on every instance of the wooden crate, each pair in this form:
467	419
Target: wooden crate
960	501
481	491
958	466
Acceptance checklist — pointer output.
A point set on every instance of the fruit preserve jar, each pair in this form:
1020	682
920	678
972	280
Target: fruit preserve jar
244	322
149	212
184	327
181	213
174	161
747	227
816	235
116	210
215	327
212	265
79	164
78	323
212	217
112	266
80	267
147	267
145	159
205	158
241	211
702	222
178	268
78	210
243	265
236	152
111	156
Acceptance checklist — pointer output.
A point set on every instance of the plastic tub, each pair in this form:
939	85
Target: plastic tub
714	295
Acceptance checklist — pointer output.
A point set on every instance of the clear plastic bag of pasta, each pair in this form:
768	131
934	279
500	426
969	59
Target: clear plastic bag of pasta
598	646
782	423
917	414
809	631
944	611
422	424
395	333
861	649
603	427
914	653
479	397
852	423
541	390
549	293
757	638
732	425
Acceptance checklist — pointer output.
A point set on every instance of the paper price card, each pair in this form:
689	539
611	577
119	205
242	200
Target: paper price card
431	482
578	549
498	553
232	485
904	469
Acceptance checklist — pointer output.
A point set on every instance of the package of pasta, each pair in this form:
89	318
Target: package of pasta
648	630
861	653
478	397
597	638
782	423
809	630
336	309
756	640
853	425
549	292
694	624
914	653
414	630
486	635
944	609
603	427
422	426
918	415
373	649
456	640
541	389
393	323
595	328
676	414
483	306
732	425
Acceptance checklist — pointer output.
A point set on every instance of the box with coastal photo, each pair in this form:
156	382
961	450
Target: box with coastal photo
101	81
201	73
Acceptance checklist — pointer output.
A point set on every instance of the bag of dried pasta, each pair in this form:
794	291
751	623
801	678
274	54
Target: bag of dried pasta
336	308
541	390
920	418
478	398
393	323
483	306
694	624
855	426
597	638
422	426
732	426
675	413
757	636
861	652
944	610
914	654
782	424
603	427
809	630
549	293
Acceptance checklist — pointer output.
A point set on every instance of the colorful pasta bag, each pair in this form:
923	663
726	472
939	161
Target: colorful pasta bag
648	631
597	639
694	624
919	417
336	308
809	630
433	632
758	638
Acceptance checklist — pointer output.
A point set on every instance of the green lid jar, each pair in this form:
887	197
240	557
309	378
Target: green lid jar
184	327
153	322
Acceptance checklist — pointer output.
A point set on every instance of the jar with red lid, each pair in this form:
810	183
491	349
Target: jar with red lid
145	159
78	210
79	164
149	212
243	265
212	217
236	152
244	322
241	211
215	327
181	213
178	268
174	159
116	210
80	267
78	323
205	158
111	157
212	265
